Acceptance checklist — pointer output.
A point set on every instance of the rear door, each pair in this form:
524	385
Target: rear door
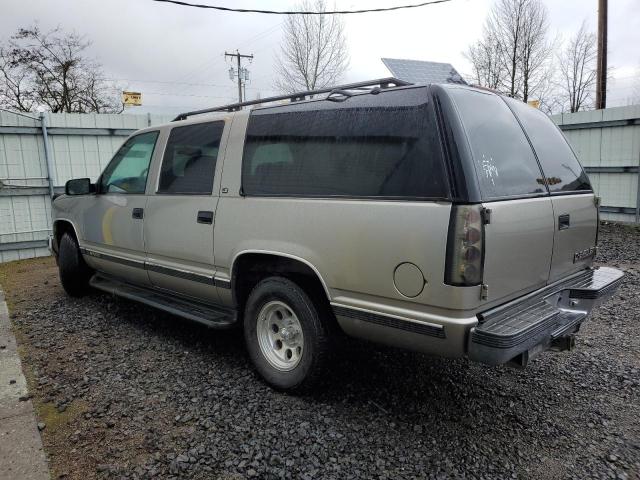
179	217
519	235
574	209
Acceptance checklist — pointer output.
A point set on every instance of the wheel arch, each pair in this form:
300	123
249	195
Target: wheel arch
250	266
62	226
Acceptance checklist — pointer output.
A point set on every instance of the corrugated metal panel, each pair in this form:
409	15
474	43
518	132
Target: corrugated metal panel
608	146
25	218
619	189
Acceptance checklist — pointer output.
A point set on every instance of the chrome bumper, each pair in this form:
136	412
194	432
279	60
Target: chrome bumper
520	329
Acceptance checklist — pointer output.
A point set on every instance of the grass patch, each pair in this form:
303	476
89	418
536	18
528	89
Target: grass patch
58	422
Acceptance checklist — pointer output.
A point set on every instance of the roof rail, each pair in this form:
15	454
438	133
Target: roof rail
299	96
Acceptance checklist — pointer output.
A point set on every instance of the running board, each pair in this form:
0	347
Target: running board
205	314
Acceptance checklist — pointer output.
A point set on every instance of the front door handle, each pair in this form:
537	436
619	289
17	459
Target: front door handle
564	221
205	216
137	213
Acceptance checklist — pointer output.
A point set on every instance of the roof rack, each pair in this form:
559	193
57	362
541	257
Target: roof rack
300	96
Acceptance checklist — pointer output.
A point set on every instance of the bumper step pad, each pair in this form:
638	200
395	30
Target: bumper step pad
533	322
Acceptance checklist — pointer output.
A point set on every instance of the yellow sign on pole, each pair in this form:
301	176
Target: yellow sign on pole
133	99
534	103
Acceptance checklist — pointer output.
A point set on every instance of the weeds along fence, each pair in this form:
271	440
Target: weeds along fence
38	154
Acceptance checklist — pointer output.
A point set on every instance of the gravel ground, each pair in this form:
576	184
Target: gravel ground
128	392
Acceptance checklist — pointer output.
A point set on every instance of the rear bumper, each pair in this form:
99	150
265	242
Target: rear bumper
545	318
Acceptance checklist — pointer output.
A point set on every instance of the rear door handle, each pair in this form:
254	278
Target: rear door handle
205	216
564	221
137	213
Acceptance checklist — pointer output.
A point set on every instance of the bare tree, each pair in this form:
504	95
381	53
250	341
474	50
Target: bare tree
504	25
50	70
513	54
313	53
578	70
484	55
535	49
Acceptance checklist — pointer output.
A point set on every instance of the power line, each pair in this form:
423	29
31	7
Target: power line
215	62
185	95
167	82
275	12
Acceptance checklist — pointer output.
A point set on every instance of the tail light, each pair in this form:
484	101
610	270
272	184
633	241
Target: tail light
465	246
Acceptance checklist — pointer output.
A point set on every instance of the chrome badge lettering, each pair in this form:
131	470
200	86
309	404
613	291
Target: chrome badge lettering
584	254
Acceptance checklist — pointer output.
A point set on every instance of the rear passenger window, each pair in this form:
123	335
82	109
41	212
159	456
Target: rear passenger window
559	164
189	161
383	147
505	163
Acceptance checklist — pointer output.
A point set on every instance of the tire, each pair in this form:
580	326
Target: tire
298	361
74	272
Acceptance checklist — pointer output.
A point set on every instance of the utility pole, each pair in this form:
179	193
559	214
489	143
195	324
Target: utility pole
240	70
601	75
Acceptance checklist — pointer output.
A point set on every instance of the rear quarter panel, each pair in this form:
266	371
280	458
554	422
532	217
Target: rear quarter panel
354	244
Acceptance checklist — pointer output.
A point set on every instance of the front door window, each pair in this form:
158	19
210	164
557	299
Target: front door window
127	171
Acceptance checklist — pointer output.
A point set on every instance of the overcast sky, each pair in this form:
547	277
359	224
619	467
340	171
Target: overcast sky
175	55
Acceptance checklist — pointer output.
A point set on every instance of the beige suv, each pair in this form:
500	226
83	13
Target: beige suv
439	218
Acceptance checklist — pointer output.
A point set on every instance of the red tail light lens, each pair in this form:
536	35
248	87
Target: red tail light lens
465	246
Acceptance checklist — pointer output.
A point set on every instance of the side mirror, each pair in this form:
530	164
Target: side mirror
79	186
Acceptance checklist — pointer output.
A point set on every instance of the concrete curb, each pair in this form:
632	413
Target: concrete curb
21	454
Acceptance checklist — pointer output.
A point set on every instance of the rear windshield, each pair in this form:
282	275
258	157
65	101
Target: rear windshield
504	161
382	146
561	167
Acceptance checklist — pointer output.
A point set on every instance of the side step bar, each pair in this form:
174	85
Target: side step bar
211	316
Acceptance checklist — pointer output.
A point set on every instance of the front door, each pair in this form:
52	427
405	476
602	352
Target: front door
180	214
113	219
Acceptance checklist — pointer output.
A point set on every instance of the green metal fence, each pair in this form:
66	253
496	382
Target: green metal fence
607	143
38	154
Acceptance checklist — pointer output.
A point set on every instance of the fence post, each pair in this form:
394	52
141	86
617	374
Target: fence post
638	193
47	153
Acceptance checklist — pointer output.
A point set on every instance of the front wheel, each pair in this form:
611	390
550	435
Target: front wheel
74	272
287	341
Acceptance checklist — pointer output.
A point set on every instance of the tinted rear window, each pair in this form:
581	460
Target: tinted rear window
559	164
504	161
363	147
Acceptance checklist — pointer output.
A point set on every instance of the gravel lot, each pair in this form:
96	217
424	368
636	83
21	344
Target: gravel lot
128	392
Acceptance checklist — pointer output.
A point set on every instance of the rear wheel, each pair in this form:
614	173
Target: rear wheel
74	272
287	341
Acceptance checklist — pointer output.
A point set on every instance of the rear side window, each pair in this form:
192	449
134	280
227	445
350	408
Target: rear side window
504	161
189	160
559	164
362	147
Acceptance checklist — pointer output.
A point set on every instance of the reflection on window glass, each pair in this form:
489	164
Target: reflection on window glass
361	147
189	161
561	167
127	171
505	163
